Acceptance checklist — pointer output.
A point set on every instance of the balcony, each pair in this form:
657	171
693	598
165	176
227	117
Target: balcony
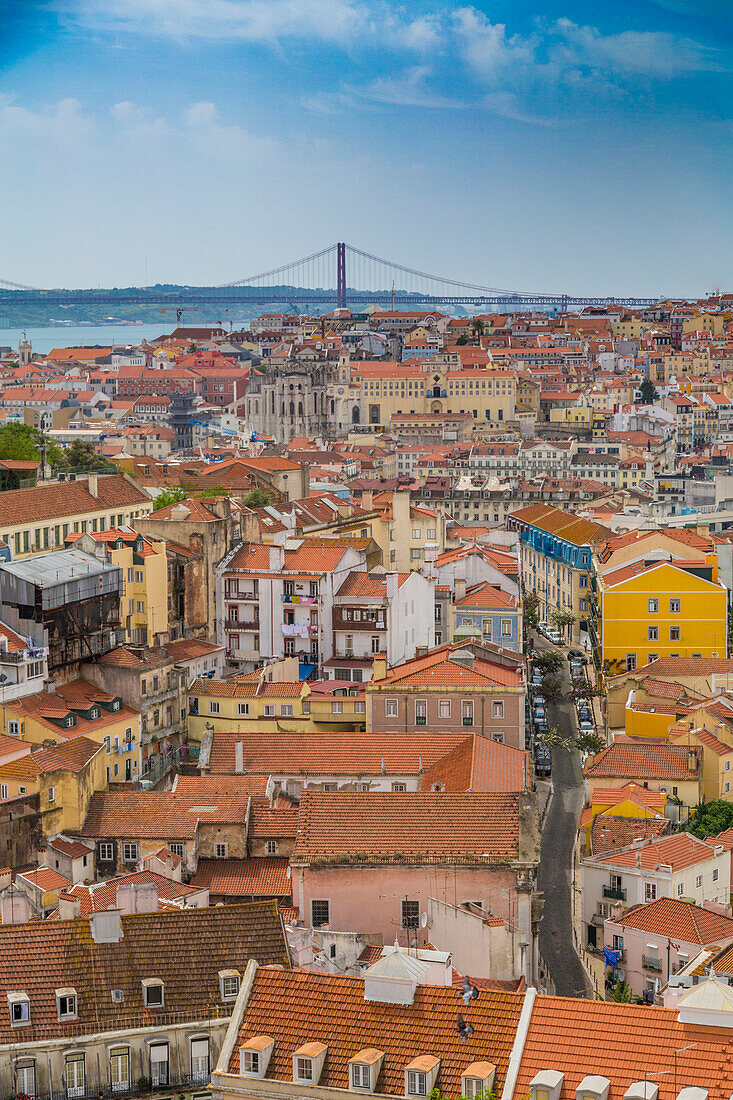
614	893
652	962
140	1087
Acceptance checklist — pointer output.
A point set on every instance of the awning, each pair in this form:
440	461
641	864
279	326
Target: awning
305	671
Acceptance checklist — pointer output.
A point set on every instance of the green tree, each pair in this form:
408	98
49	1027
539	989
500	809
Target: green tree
257	498
20	442
531	604
590	742
166	497
622	993
647	392
711	818
477	327
561	619
551	661
82	456
552	738
213	491
552	688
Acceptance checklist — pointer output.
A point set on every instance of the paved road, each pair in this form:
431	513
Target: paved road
558	838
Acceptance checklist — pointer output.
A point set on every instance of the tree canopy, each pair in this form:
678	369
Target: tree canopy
80	455
257	498
173	495
711	818
648	393
20	442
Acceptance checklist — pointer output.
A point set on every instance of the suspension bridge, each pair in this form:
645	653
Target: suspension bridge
339	275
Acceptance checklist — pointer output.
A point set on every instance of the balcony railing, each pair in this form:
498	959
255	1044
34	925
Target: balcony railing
652	962
106	1091
614	892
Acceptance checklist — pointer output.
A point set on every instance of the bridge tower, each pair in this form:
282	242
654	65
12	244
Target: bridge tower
341	275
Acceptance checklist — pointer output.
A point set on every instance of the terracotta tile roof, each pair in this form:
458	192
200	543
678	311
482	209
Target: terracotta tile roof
679	919
487	595
331	753
187	948
418	827
439	668
725	838
579	1037
68	498
662	688
641	760
480	764
608	833
188	649
678	851
197	512
103	895
630	792
246	687
165	815
359	585
23	768
295	1007
46	879
264	877
564	525
684	666
71	756
71	848
202	788
266	823
10	745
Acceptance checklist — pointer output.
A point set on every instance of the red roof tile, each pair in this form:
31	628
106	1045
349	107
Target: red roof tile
264	877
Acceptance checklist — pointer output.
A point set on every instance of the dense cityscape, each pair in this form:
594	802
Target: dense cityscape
367	708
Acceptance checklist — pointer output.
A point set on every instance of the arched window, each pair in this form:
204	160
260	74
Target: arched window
300	408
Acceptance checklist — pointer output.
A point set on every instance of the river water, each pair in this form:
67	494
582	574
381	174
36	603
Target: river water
74	336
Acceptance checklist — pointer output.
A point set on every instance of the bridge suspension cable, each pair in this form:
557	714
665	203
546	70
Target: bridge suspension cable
279	270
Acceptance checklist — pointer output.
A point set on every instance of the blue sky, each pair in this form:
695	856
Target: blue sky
582	147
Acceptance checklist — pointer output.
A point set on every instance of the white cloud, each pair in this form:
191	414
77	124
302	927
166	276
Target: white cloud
214	138
408	90
486	47
643	53
139	123
63	123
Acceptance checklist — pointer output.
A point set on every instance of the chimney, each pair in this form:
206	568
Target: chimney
15	907
692	760
367	500
137	897
106	926
401	511
93	485
69	906
392	586
277	558
459	589
239	757
379	666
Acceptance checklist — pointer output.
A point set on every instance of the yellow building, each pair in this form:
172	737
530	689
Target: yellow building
488	395
74	710
64	776
256	702
664	609
38	519
144	564
578	415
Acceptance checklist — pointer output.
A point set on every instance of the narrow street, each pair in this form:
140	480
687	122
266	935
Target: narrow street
558	838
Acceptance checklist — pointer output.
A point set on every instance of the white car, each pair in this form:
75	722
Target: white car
554	636
586	727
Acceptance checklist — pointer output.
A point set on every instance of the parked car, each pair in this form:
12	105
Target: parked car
554	636
541	626
540	713
540	701
575	655
540	727
586	727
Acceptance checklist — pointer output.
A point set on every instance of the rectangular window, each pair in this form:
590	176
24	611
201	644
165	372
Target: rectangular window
220	851
320	912
200	1061
506	628
25	1080
177	849
674	634
106	852
250	1061
67	1006
630	662
119	1069
243	708
653	605
390	708
421	712
75	1076
410	913
159	1065
675	606
467	713
474	1086
269	710
304	1069
271	847
360	1076
444	708
286	710
497	708
213	708
416	1083
653	634
650	891
129	853
337	708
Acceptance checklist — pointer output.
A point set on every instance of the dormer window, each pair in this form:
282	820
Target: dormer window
421	1075
153	993
20	1009
66	1004
478	1079
229	982
95	712
68	722
593	1087
254	1056
364	1069
308	1062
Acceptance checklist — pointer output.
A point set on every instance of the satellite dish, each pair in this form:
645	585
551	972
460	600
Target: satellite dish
423	920
288	872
